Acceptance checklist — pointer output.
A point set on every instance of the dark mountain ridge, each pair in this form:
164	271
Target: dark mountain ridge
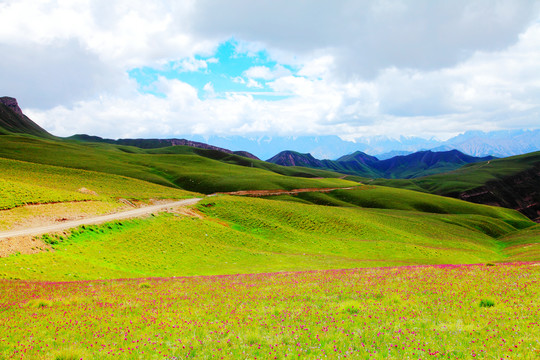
158	143
405	166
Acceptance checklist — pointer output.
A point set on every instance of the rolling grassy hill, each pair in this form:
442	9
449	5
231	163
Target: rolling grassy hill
247	235
23	183
512	182
380	197
468	177
199	170
367	226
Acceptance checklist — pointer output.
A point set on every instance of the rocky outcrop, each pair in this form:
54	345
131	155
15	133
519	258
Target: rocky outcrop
13	121
12	104
520	192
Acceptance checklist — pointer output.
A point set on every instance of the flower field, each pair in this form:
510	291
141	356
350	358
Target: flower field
422	312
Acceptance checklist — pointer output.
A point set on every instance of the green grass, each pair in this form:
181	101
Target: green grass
24	183
523	245
184	168
380	197
246	235
467	177
15	193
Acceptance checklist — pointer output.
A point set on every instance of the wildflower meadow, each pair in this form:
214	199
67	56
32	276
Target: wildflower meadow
418	312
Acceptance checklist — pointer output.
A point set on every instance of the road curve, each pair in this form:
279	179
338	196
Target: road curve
98	219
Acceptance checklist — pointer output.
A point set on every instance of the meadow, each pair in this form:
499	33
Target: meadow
419	312
235	235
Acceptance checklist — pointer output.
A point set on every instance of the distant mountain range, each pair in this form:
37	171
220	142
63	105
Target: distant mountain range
474	143
418	164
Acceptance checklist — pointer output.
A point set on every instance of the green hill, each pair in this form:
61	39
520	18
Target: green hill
364	227
199	170
512	182
467	177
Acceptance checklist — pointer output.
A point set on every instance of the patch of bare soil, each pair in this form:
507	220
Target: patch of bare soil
186	212
22	245
86	191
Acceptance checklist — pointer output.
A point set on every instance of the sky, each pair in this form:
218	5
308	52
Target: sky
354	69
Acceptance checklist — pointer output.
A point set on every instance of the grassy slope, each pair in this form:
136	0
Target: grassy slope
467	177
29	183
187	171
233	159
246	235
380	197
523	245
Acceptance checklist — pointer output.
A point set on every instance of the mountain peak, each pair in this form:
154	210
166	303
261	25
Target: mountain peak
293	158
360	157
12	104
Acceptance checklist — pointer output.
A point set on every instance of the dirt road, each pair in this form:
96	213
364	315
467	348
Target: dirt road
147	210
280	192
97	220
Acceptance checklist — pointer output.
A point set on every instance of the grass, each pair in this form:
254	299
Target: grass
17	193
523	245
29	183
448	311
379	197
467	177
245	235
28	216
378	313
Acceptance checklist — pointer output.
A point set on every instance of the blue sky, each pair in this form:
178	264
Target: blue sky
225	71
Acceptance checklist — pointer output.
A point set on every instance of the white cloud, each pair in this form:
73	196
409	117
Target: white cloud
265	73
191	65
253	84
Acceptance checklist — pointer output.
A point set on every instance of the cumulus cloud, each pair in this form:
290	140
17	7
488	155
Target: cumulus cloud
370	35
265	73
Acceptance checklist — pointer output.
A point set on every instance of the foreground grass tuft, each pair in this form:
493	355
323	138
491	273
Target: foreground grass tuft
487	303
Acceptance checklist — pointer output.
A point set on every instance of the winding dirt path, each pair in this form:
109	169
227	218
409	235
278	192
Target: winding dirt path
39	230
97	219
281	192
